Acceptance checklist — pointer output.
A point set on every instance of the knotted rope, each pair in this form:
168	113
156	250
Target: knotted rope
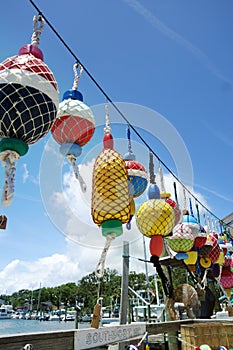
99	270
8	158
77	75
35	40
72	159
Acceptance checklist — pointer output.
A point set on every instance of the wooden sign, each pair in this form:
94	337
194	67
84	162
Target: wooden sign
91	338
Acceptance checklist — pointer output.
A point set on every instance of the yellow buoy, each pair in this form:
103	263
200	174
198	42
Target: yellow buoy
155	217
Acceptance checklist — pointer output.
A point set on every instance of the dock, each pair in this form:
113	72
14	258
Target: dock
114	337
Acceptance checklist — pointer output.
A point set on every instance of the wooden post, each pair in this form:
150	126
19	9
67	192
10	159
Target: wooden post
124	284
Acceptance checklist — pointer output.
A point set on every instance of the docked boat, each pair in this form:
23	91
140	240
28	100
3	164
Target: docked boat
6	311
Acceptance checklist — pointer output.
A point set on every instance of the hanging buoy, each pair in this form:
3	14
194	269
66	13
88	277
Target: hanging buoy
156	245
181	240
137	177
191	222
110	194
155	217
29	99
74	125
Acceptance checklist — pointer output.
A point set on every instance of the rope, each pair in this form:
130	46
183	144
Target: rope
198	214
151	169
191	207
107	128
99	270
72	160
37	29
77	75
175	191
161	179
8	161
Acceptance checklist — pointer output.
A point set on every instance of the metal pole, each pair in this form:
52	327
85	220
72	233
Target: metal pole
124	284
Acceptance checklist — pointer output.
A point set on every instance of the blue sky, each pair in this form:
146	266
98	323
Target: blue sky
171	57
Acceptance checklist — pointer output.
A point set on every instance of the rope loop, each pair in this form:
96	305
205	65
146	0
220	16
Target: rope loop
99	270
37	29
8	161
78	70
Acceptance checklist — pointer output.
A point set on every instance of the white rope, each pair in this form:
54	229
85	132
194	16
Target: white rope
99	270
185	200
107	128
77	75
37	29
161	179
72	160
8	161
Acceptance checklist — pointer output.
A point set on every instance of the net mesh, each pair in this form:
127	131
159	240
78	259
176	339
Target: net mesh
155	217
138	178
74	123
110	193
182	239
28	98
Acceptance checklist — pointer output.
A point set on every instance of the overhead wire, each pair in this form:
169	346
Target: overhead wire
109	99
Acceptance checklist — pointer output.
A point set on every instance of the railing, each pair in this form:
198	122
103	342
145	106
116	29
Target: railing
90	338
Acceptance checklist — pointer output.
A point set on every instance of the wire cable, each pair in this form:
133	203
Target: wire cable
108	98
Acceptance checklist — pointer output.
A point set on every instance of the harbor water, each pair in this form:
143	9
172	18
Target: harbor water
14	326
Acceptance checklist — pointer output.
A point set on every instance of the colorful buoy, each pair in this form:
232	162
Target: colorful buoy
182	239
110	205
29	99
74	125
155	217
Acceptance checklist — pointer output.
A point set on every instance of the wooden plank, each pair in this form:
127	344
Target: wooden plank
167	261
165	327
92	338
58	340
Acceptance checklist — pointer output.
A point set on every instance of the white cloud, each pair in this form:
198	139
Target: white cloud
29	177
25	173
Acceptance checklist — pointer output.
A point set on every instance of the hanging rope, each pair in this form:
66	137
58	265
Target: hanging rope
99	270
72	159
185	201
175	192
198	214
37	29
107	128
191	207
77	75
161	179
8	161
151	169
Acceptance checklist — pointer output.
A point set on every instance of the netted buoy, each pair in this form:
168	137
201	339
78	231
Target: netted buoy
110	203
28	105
110	193
74	125
137	176
191	222
182	239
215	251
166	196
155	217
